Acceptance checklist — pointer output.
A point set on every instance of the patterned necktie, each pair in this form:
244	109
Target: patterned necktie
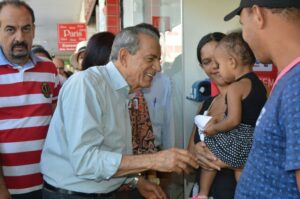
142	132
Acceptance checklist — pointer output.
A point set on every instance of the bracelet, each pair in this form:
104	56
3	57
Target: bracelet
133	183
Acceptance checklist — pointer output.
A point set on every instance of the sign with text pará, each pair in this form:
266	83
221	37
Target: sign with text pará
70	34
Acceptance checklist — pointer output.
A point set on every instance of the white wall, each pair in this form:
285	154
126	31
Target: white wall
199	18
133	12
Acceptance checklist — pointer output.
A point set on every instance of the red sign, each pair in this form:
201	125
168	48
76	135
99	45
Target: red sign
69	35
161	23
267	73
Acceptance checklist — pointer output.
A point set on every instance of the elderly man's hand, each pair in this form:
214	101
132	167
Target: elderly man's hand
150	190
174	160
204	157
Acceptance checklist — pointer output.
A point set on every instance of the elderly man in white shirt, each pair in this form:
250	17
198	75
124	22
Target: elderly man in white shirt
88	149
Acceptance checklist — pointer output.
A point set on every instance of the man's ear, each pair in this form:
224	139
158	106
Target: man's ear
123	55
259	16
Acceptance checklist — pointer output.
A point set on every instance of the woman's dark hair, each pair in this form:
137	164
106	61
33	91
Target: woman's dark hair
238	48
40	49
215	36
98	50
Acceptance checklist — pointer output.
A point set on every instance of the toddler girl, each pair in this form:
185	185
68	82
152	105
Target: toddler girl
230	138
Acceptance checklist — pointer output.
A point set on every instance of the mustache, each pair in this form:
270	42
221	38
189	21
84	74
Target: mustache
19	44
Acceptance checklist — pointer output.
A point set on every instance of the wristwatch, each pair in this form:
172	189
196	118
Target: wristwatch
133	183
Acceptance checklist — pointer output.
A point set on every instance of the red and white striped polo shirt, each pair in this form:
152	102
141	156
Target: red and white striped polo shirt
26	100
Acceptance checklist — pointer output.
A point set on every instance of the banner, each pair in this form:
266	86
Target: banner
70	34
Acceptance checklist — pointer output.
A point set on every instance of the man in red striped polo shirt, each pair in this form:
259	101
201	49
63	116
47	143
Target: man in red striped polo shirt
28	92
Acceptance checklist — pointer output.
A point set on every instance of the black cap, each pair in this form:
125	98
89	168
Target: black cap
263	3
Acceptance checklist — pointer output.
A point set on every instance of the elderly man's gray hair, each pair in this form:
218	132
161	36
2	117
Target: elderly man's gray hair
128	38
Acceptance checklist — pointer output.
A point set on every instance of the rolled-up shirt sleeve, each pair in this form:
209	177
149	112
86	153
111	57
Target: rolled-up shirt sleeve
83	112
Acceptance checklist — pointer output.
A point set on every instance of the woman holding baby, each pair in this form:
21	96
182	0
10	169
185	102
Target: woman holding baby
224	183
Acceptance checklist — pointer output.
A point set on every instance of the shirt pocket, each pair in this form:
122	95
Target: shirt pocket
156	113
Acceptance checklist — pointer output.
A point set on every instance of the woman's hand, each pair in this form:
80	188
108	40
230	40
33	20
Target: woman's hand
204	157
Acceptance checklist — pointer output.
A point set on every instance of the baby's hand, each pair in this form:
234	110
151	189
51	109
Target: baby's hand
210	130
